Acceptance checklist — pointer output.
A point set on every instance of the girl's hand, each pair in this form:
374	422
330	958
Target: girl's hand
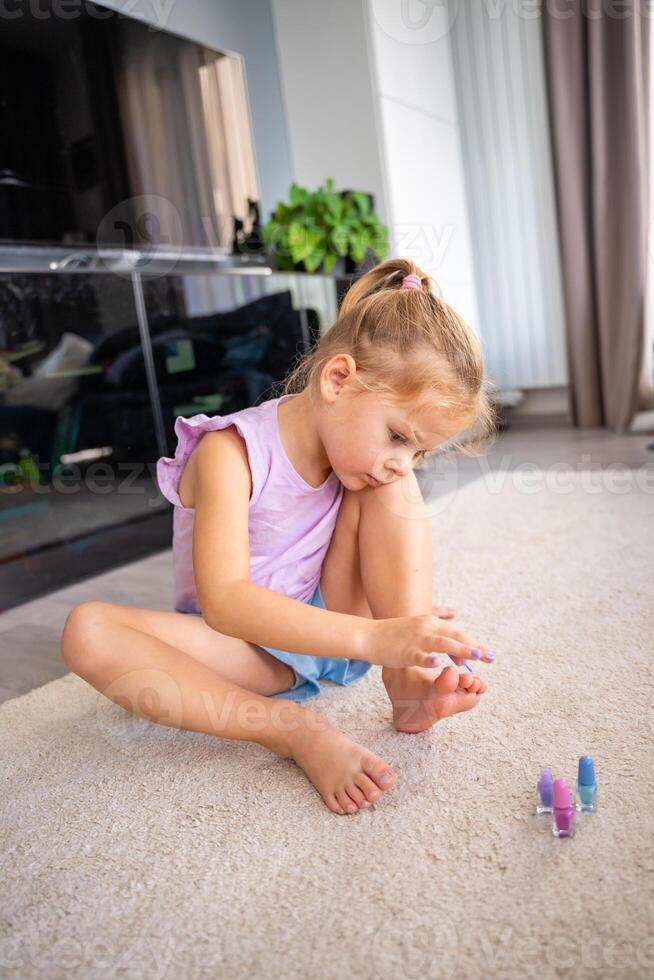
411	641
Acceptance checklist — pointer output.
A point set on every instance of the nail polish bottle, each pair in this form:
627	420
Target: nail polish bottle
544	787
586	786
563	814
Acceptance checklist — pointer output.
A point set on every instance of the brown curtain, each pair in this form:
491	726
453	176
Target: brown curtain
597	69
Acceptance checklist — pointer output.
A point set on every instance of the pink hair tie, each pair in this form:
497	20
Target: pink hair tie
411	282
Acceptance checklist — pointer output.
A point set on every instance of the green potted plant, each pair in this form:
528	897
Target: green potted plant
323	230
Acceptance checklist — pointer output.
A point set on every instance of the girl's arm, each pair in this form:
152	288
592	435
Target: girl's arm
259	615
219	489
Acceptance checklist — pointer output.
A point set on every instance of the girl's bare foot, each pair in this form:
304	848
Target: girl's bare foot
419	701
348	776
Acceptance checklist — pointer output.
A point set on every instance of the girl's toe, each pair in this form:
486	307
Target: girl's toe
356	795
333	804
382	775
348	805
366	785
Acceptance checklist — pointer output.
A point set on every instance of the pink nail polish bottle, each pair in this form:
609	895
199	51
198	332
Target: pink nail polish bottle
563	814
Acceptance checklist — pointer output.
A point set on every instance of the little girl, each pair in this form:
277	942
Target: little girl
302	547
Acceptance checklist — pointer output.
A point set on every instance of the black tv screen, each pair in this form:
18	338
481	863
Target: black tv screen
116	133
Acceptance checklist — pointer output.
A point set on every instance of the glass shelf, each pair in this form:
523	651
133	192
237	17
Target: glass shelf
100	352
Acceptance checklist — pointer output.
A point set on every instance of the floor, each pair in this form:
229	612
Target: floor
29	633
80	557
138	849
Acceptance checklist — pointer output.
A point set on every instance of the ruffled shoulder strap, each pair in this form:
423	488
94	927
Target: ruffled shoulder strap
190	430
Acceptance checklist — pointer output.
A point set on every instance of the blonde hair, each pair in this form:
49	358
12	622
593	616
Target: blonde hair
409	346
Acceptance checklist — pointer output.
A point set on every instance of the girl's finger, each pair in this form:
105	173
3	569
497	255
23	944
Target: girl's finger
444	629
462	651
454	633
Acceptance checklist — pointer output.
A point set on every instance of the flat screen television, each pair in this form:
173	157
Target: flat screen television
115	133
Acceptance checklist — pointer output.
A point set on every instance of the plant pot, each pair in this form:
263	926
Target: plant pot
337	270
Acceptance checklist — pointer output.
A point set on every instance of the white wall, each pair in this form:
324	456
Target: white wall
419	127
440	111
330	112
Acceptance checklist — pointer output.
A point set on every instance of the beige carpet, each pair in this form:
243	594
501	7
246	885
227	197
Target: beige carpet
134	850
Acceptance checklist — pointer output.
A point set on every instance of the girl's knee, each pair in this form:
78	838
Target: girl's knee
87	614
397	499
80	628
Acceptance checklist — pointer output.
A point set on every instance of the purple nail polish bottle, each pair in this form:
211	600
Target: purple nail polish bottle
545	788
563	814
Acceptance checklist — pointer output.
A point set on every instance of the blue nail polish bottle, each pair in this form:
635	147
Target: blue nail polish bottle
545	787
586	785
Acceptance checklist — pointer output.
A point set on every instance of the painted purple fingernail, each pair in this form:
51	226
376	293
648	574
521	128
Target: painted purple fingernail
490	655
433	661
475	654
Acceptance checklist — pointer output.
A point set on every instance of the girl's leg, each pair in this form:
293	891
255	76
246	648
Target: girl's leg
381	549
396	573
395	549
166	667
243	663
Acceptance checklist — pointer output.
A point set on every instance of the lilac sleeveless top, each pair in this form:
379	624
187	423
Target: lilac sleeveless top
290	522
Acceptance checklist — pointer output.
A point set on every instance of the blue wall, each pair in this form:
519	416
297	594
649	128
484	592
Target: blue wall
245	27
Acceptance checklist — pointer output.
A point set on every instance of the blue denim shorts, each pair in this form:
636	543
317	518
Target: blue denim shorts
308	669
